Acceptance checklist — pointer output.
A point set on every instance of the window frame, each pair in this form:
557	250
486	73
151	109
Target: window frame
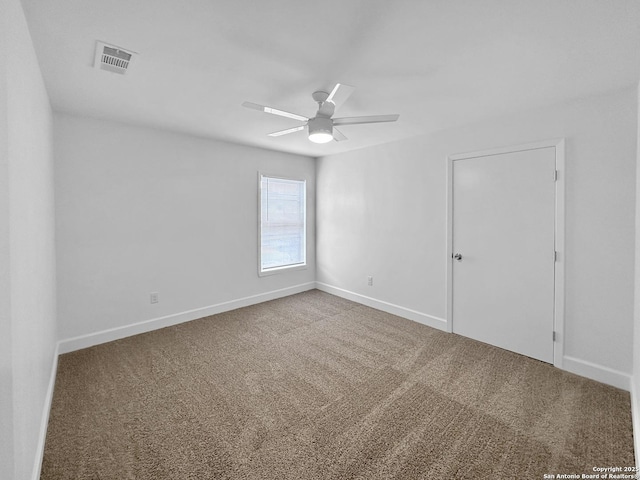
283	268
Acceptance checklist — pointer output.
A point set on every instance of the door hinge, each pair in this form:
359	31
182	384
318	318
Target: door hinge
555	175
555	256
554	336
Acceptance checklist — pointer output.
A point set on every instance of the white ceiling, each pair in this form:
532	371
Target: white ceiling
437	63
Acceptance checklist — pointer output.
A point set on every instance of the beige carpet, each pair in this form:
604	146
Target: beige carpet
313	386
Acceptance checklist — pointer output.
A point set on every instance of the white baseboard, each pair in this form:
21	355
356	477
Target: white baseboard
597	372
635	419
44	422
109	335
423	318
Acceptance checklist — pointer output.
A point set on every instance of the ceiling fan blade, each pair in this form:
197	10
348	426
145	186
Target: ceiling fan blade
367	119
285	132
274	111
338	136
340	93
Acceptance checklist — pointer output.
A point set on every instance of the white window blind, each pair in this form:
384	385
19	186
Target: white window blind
282	223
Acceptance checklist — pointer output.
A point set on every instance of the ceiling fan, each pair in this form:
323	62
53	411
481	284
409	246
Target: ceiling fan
322	126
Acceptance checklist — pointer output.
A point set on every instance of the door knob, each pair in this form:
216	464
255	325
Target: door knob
458	257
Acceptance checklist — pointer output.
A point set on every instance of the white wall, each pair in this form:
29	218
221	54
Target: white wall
6	363
141	210
382	212
27	280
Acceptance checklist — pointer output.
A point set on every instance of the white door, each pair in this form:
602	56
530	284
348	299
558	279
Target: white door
504	234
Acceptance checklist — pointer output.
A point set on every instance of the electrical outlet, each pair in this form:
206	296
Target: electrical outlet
153	296
370	280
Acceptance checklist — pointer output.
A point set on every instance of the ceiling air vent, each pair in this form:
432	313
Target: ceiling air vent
113	59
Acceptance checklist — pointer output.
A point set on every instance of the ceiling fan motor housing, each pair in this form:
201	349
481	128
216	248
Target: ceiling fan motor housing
320	125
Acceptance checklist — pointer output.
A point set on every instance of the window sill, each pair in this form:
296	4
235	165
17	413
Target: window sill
275	270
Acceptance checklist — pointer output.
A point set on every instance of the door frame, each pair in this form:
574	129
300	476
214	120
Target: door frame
559	298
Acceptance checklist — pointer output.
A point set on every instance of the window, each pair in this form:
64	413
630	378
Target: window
282	224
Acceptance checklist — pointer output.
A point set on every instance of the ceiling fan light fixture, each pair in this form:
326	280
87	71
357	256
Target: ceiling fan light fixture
320	130
320	137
